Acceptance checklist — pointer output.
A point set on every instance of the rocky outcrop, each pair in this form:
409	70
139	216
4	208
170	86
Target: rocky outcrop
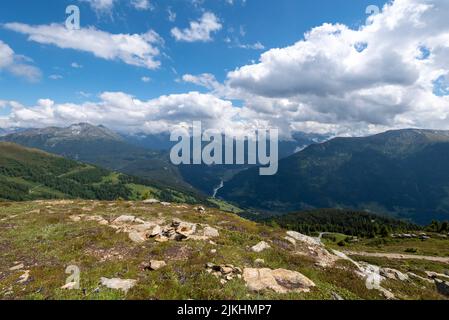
435	275
140	231
303	238
314	249
279	280
393	274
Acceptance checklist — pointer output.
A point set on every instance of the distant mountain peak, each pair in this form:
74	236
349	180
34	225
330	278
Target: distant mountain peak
78	131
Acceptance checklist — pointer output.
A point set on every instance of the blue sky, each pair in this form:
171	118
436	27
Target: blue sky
271	23
322	66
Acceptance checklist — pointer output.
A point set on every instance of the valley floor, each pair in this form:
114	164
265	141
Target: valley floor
151	250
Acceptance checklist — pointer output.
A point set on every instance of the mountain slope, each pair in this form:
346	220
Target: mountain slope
103	147
401	172
172	252
29	174
207	178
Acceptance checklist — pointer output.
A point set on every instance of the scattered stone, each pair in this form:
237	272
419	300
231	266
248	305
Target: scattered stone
17	267
75	218
435	275
279	280
336	296
261	246
259	261
70	286
118	284
213	251
155	265
200	209
24	277
165	204
210	232
150	201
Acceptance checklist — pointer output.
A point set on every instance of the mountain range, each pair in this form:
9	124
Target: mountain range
403	173
142	155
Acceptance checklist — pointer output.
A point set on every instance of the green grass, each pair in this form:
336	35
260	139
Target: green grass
41	235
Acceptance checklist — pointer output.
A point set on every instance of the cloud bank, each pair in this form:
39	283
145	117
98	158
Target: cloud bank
391	73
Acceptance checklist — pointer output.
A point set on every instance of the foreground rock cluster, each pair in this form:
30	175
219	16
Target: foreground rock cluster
140	231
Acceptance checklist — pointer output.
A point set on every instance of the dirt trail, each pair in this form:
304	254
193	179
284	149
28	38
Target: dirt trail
397	256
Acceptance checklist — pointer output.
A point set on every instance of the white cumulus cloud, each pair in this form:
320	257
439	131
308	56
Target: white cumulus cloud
134	49
200	30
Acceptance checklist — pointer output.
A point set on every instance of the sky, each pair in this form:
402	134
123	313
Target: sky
342	67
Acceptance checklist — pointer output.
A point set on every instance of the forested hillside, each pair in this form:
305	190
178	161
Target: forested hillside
29	174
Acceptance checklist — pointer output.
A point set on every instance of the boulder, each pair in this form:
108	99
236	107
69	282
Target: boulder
210	232
156	230
303	238
261	246
279	280
156	265
184	228
137	237
124	219
118	284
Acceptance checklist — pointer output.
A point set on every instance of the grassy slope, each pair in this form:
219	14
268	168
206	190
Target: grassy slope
41	235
